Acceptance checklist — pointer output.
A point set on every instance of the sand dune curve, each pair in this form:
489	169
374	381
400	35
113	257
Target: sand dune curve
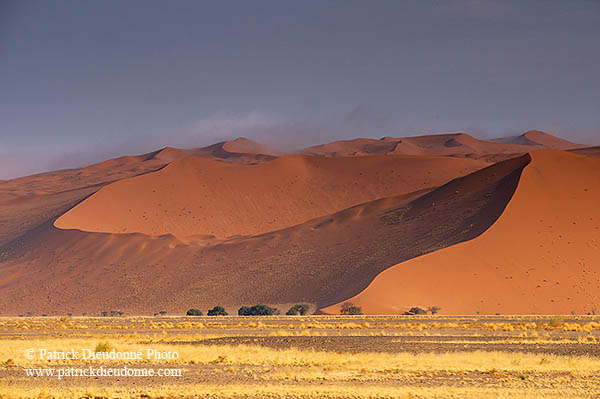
195	197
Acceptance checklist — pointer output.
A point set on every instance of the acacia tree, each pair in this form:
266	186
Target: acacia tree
298	309
194	312
217	311
258	310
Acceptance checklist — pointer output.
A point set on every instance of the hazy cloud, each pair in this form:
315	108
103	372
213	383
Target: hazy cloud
18	161
221	127
276	131
285	133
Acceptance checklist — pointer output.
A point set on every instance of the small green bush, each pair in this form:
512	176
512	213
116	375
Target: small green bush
217	311
194	312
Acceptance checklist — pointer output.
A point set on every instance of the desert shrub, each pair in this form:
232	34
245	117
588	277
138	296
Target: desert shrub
105	313
217	311
103	347
162	312
434	309
257	310
194	312
348	308
417	310
298	309
114	313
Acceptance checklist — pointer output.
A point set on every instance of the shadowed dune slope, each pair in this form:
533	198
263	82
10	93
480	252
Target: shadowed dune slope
197	198
321	261
541	256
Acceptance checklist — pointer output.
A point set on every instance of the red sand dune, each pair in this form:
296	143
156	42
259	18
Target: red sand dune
195	197
123	167
321	261
242	145
307	229
539	139
240	150
27	202
454	144
541	256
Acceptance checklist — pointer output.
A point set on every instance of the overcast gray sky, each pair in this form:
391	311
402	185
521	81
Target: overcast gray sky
84	80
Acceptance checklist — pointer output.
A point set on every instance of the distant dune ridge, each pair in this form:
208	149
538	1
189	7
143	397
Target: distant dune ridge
503	226
454	144
541	139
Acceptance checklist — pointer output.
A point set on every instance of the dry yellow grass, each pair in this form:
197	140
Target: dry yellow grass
297	392
253	371
256	355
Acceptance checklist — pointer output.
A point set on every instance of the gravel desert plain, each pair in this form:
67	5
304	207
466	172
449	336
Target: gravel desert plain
434	248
